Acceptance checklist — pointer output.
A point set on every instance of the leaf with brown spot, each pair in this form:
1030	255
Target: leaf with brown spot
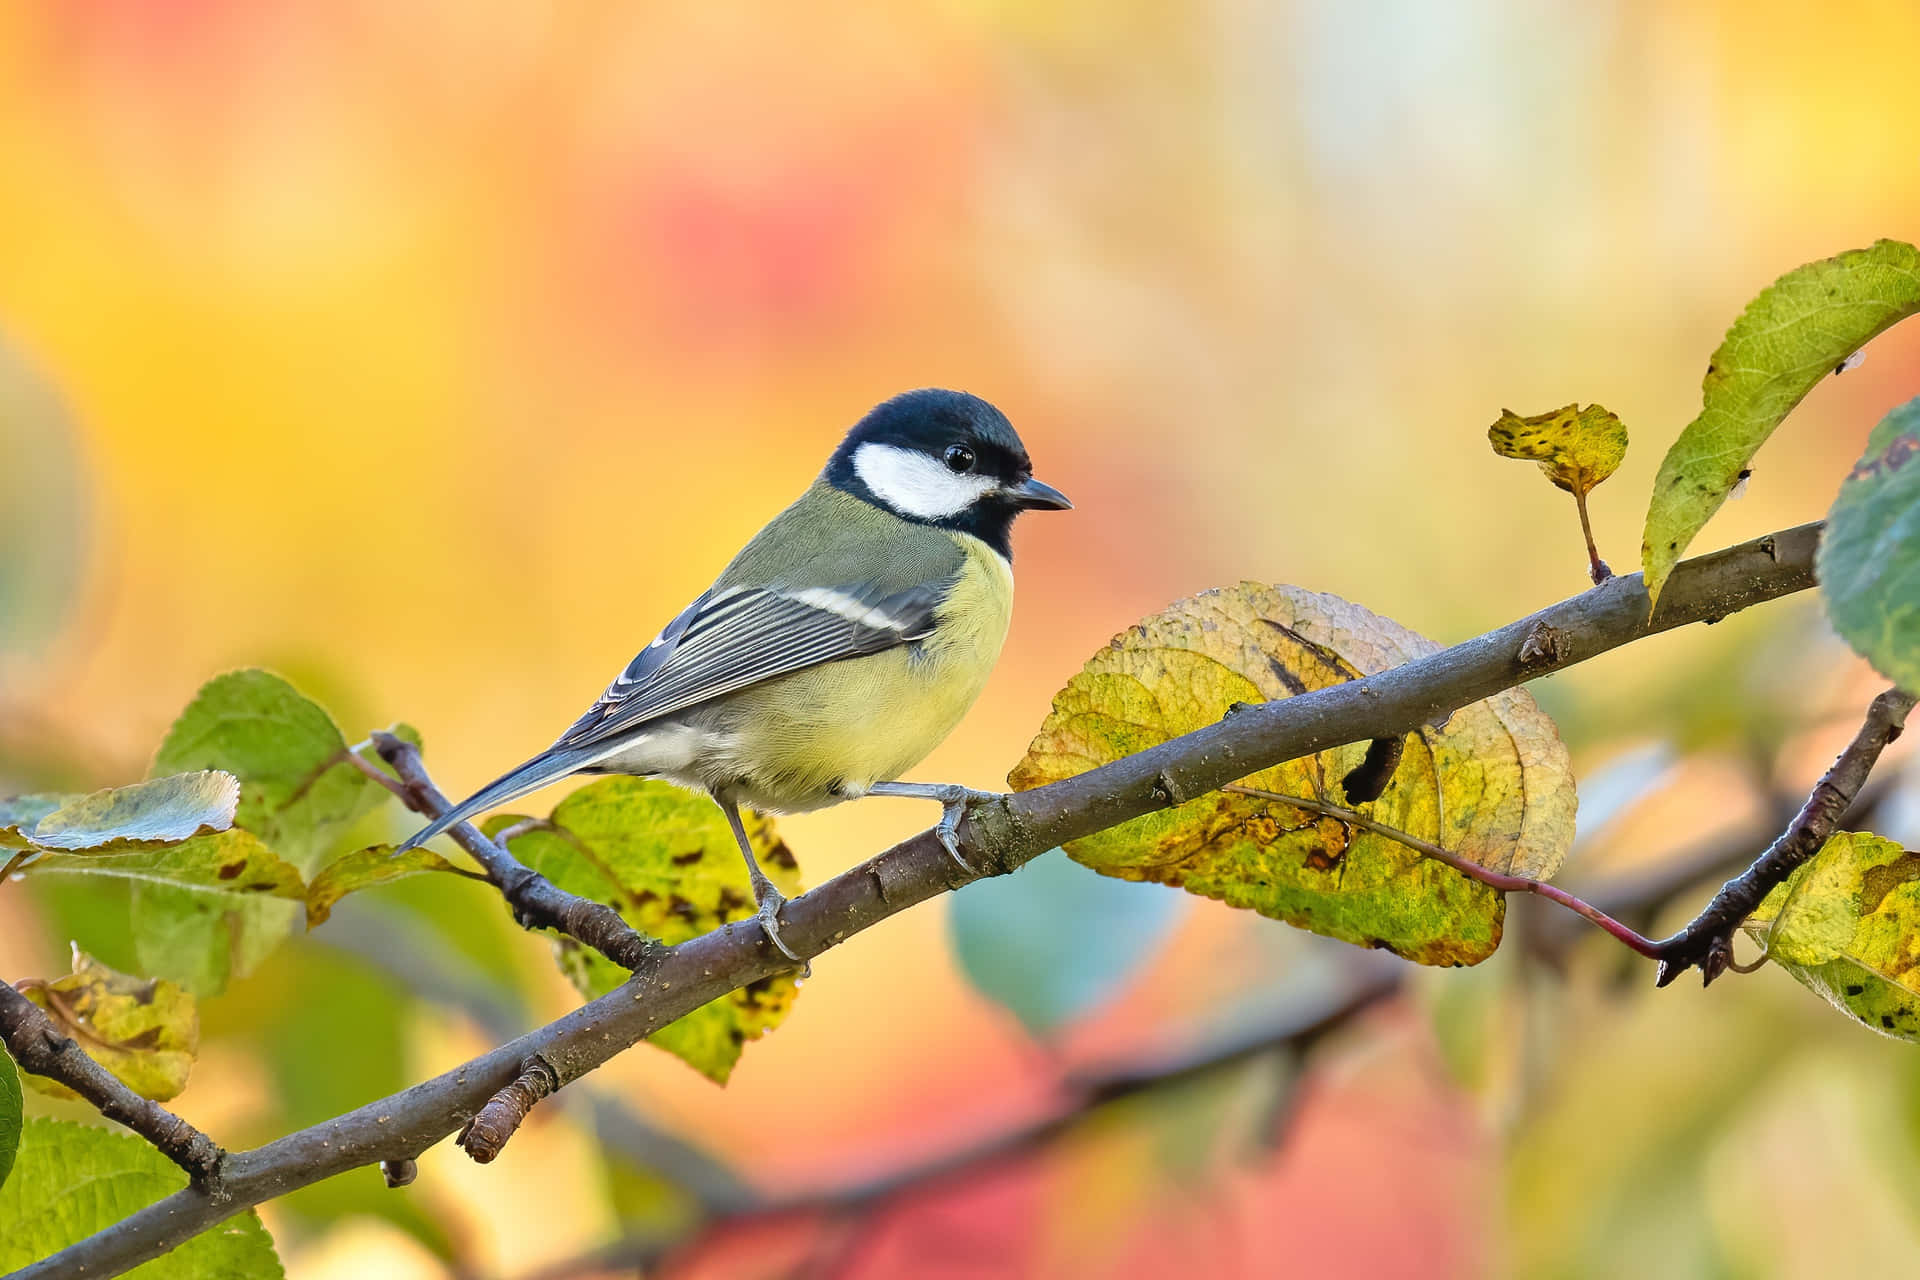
666	860
204	910
1846	925
146	1031
1576	447
363	869
1492	784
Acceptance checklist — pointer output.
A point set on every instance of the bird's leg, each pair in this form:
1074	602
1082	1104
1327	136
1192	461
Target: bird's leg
768	898
953	800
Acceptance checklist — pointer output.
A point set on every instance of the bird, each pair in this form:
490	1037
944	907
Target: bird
842	644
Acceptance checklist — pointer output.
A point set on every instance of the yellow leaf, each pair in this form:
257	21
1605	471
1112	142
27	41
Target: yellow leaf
1492	784
1576	447
146	1031
1846	925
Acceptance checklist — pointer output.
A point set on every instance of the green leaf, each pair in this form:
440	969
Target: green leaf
146	1031
1576	448
159	811
1053	941
72	1180
298	791
667	860
1493	784
1795	333
1869	562
363	869
1846	925
10	1113
205	911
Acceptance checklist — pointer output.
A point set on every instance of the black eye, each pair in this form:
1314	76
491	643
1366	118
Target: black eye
959	458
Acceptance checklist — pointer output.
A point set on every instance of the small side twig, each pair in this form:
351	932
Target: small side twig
536	901
1472	870
1707	941
486	1134
39	1047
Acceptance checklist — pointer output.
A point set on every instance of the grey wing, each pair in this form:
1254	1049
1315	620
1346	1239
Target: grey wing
732	638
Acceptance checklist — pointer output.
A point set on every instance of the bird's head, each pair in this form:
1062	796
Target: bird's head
944	458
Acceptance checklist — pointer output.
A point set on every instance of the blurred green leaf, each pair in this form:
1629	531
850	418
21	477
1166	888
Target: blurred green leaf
72	1180
204	911
667	859
363	869
42	515
1846	925
10	1114
146	1031
1795	333
1576	448
1869	563
1053	940
298	792
159	811
1493	784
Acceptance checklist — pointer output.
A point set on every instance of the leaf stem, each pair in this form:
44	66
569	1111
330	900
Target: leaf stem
1597	568
1500	880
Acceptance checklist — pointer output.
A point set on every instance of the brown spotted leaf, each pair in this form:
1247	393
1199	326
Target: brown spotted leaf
205	910
1492	784
1846	925
144	1030
159	811
666	859
1576	447
363	869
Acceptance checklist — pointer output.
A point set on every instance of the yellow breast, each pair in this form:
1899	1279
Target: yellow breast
810	738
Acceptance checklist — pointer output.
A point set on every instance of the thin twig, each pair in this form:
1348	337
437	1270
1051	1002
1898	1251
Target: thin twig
536	901
1493	879
998	835
39	1047
1708	940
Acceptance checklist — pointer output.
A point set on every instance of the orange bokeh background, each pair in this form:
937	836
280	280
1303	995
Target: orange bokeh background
434	354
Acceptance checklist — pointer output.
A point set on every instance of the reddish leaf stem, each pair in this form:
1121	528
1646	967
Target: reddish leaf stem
1472	870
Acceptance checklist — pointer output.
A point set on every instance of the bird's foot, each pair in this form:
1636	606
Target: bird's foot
770	901
953	800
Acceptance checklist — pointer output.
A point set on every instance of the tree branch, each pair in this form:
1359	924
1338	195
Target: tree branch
1708	940
536	901
998	835
38	1046
1293	1030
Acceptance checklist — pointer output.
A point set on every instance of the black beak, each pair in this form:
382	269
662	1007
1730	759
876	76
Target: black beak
1031	495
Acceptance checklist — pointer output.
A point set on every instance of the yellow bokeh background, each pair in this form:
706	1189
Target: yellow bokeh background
436	353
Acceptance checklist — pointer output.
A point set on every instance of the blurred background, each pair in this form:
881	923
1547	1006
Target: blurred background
434	354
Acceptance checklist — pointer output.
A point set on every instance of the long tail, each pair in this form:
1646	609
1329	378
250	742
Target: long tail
548	767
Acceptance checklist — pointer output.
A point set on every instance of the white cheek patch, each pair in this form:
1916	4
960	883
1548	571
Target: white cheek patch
914	484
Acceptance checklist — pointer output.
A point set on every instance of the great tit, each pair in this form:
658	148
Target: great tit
843	643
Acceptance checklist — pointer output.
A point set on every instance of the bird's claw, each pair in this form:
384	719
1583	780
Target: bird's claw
953	807
768	916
